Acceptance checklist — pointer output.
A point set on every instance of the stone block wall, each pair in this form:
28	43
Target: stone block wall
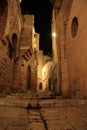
18	76
18	65
11	23
39	67
60	11
28	56
6	69
27	34
14	19
25	73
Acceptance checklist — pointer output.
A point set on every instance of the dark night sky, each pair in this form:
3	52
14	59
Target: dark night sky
42	11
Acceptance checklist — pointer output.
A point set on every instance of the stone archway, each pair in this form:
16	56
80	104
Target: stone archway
28	84
3	16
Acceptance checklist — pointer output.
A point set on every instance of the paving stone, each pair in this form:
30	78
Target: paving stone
82	128
60	127
35	126
16	128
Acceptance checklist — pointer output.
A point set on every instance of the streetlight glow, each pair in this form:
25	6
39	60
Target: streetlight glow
20	1
54	34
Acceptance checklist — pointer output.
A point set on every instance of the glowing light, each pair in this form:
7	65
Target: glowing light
20	1
54	34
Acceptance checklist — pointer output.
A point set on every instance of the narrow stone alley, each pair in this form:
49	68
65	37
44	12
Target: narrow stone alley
40	91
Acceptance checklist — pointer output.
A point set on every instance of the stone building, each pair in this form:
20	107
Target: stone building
17	56
69	46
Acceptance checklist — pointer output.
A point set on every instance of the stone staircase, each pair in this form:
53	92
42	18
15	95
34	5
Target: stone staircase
37	100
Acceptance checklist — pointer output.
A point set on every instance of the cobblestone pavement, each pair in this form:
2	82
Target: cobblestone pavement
47	118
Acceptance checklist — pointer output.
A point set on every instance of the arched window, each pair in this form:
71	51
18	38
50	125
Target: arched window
74	27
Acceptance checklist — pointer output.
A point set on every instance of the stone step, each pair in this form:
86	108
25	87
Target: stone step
41	103
32	96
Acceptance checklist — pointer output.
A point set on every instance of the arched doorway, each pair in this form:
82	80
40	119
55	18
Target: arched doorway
3	16
28	78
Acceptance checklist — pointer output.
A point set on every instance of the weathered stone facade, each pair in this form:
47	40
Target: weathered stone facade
69	22
17	58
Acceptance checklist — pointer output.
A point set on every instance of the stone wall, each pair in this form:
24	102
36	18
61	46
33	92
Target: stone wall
28	64
77	48
6	69
70	21
11	24
27	31
16	55
60	20
39	68
25	74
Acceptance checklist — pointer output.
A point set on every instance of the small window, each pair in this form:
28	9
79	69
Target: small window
74	27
